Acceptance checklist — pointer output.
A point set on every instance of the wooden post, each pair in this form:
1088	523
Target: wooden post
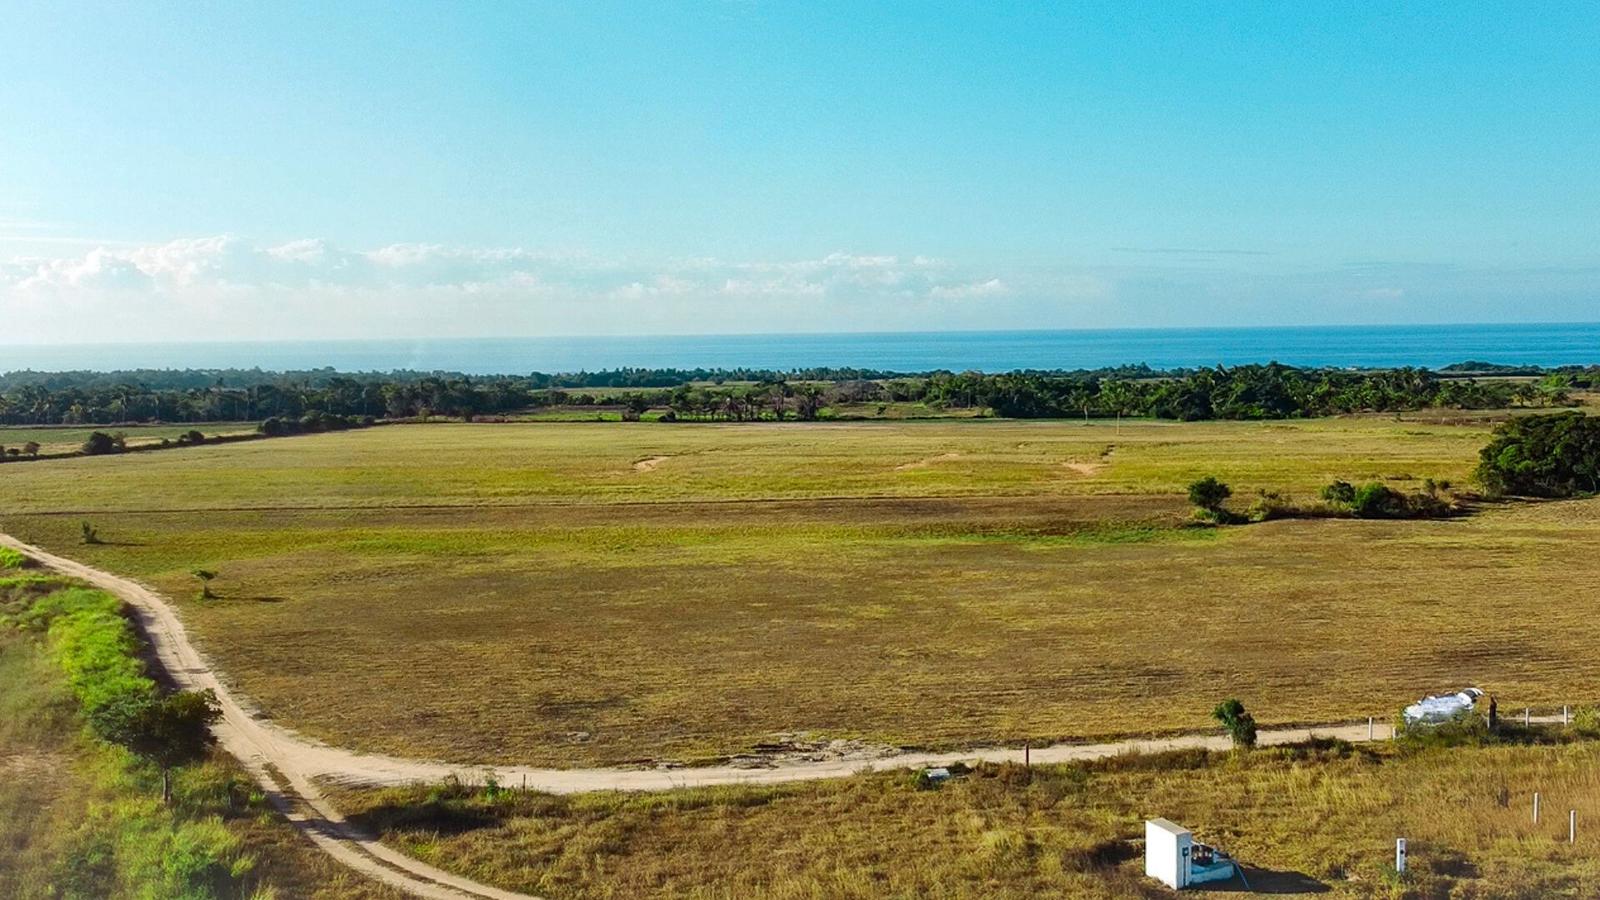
1027	755
1535	807
1566	719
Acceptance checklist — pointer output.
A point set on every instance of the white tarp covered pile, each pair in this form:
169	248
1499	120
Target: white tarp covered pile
1442	707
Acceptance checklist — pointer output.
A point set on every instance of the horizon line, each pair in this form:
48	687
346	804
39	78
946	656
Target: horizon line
786	334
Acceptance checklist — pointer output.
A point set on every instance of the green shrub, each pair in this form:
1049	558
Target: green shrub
1208	494
1340	492
1586	722
1543	456
11	559
99	443
1379	501
1240	725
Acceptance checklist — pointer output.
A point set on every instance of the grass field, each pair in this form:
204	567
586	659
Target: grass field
571	594
1302	820
67	438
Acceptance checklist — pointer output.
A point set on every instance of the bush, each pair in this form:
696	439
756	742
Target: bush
1379	501
1340	492
1586	722
1208	493
1543	456
1240	725
11	559
314	422
99	443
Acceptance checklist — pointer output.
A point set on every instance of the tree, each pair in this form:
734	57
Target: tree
1240	725
808	401
99	443
1208	494
169	731
1543	456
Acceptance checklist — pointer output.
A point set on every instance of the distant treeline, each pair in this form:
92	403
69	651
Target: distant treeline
1243	392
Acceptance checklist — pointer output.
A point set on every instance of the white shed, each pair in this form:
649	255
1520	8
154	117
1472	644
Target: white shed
1167	850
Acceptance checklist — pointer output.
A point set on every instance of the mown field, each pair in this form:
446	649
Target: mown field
67	438
1305	820
572	594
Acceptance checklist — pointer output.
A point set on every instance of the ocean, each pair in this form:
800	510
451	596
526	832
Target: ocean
1433	346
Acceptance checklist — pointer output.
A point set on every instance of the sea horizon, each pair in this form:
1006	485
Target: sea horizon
1338	346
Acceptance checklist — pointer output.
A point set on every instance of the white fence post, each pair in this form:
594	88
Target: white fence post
1572	826
1369	728
1527	719
1535	807
1400	855
1565	718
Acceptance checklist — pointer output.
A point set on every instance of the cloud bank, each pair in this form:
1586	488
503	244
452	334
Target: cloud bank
226	287
230	288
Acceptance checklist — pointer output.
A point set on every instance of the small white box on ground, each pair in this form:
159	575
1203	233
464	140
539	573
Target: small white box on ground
1167	850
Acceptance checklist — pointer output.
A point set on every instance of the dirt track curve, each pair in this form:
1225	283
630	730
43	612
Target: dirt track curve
271	754
287	765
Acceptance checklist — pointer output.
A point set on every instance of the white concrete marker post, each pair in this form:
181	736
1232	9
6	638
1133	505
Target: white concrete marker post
1400	855
1572	826
1565	718
1535	807
1369	728
1527	719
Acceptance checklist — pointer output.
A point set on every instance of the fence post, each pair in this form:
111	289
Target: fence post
1572	826
1566	719
1400	855
1027	755
1526	718
1535	807
1369	728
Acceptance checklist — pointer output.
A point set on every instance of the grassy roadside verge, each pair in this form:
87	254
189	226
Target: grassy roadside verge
80	818
1313	819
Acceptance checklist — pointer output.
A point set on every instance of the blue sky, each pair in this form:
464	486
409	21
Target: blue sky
227	171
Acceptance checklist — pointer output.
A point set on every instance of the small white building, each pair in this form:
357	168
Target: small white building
1166	852
1172	857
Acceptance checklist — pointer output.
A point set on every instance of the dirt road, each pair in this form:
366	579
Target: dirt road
273	755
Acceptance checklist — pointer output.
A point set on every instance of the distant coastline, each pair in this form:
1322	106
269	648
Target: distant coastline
1370	346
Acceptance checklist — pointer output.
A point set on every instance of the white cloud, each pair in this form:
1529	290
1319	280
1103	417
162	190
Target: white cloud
989	288
228	287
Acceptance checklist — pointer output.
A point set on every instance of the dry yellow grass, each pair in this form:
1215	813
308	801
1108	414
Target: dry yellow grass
523	593
1300	820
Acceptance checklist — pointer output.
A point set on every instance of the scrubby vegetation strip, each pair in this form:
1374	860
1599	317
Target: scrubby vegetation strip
132	843
1270	391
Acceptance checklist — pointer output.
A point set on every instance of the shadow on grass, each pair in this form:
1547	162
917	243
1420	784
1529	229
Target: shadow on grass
1269	881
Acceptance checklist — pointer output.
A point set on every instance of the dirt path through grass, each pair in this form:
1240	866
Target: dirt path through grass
275	757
